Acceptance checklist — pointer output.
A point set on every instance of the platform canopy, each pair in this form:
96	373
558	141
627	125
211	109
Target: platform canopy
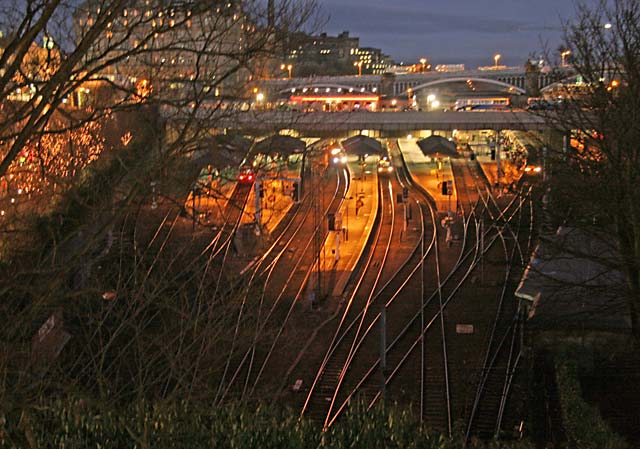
223	150
279	145
438	146
362	146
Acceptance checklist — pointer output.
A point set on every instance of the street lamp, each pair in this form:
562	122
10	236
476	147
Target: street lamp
359	66
260	100
288	67
496	58
563	55
432	102
423	62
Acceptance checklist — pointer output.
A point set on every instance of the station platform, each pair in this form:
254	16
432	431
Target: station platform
342	249
275	202
211	203
430	174
510	169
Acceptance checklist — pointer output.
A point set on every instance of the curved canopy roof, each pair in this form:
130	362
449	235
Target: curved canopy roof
362	145
223	150
279	144
437	146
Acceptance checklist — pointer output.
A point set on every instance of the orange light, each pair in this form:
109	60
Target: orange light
337	98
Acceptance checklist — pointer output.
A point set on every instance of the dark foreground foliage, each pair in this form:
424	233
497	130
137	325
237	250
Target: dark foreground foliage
79	424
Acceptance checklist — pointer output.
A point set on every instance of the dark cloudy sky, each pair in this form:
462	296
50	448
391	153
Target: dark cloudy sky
452	31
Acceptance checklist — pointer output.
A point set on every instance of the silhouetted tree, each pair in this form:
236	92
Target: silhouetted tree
146	314
596	173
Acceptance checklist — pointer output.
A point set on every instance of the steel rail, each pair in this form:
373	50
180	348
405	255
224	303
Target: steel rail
265	321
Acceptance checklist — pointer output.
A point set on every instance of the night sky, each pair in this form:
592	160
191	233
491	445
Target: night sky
452	31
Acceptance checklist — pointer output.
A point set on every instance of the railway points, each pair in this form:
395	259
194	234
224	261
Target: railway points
350	260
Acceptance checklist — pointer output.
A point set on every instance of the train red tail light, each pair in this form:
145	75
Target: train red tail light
246	176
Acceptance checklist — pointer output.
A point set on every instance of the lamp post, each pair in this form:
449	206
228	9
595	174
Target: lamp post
423	62
259	100
496	58
563	55
288	67
358	64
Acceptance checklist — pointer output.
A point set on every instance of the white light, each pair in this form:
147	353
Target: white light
375	89
335	151
409	136
339	89
327	89
260	96
315	90
293	90
362	90
431	97
343	159
394	102
607	26
435	103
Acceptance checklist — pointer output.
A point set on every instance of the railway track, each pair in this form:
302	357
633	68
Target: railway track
400	356
418	354
412	292
488	416
275	282
356	333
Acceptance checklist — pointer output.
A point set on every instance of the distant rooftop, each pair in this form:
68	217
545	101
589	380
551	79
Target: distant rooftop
571	285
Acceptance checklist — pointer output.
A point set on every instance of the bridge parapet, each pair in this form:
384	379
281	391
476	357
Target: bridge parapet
515	77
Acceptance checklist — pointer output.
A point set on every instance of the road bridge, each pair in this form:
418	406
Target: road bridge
517	80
